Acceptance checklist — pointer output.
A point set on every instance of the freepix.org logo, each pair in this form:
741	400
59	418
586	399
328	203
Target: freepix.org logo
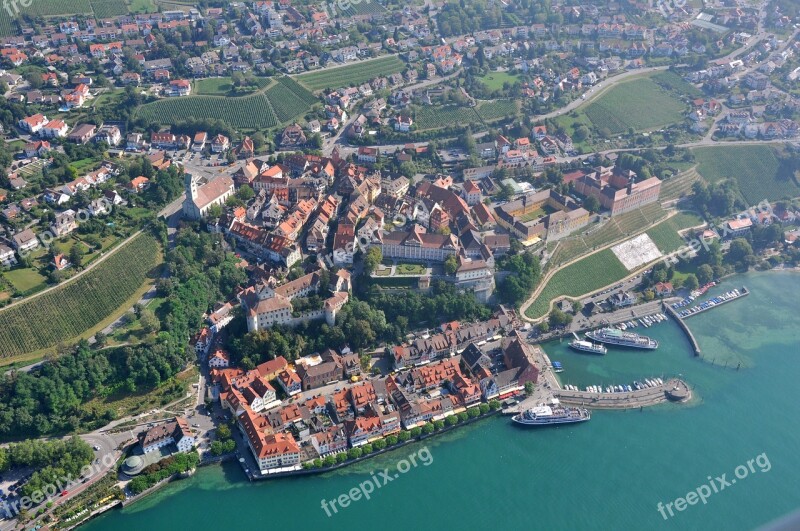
12	7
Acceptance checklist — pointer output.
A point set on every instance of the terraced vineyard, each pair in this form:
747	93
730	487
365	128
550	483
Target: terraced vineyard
353	74
665	235
640	104
247	112
613	230
76	306
679	186
495	110
436	117
287	104
757	169
44	8
298	90
604	268
364	8
109	8
584	276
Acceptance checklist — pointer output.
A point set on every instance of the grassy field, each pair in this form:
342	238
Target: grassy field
756	168
640	104
495	80
584	276
665	234
24	279
221	86
353	74
675	83
76	306
498	109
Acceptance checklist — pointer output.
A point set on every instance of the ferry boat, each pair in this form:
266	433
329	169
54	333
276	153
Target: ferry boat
587	346
612	336
557	367
547	416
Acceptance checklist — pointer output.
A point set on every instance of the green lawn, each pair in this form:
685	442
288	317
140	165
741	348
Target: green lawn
25	279
640	104
410	269
222	86
756	168
495	80
665	234
584	276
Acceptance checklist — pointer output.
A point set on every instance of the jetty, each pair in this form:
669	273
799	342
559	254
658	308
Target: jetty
672	389
685	328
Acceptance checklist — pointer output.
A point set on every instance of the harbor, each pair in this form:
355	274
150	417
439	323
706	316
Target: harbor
641	393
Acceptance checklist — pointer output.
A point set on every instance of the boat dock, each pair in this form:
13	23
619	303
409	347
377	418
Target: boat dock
715	302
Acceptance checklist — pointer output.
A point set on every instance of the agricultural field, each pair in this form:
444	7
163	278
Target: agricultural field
364	7
352	74
675	83
495	110
109	8
298	90
757	169
246	112
287	104
436	117
584	276
679	185
496	80
665	234
76	306
640	104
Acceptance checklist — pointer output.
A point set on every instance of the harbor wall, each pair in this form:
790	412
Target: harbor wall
684	327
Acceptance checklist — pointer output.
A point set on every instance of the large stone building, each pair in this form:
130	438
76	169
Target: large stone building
266	306
542	215
418	245
617	189
176	431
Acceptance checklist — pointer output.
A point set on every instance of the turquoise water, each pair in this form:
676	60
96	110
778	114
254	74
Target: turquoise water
607	474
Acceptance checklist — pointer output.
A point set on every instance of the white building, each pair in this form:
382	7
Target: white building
176	431
199	198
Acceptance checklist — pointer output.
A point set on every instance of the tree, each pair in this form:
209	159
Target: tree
150	322
100	340
373	257
428	428
245	193
739	250
705	274
451	265
76	255
690	282
223	432
591	204
528	388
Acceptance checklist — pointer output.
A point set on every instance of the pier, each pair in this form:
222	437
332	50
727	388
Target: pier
698	310
672	389
685	328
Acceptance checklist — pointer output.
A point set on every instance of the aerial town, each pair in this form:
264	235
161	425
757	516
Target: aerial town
294	235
